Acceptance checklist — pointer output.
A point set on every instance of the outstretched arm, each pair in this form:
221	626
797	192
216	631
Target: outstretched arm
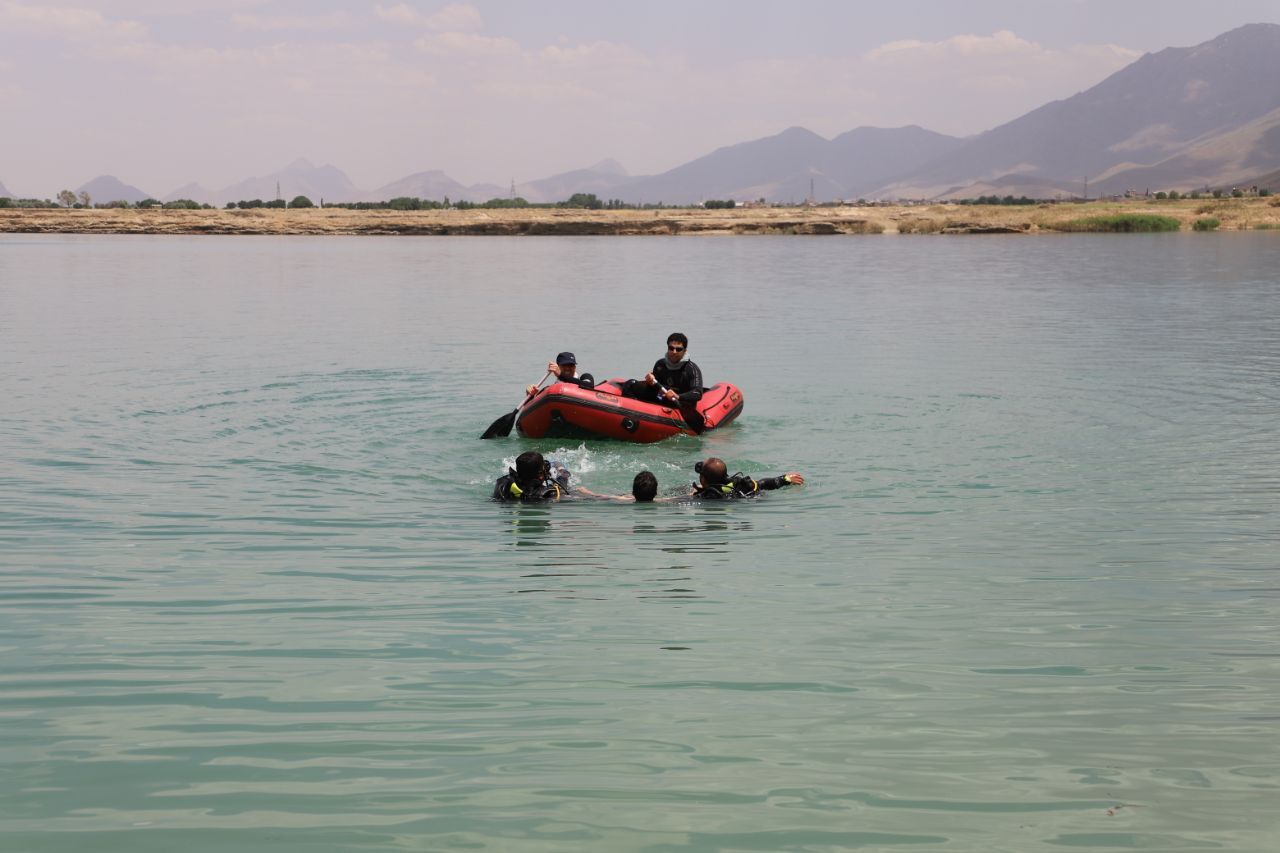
587	493
791	478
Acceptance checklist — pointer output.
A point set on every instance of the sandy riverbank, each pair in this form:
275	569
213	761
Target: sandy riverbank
1233	214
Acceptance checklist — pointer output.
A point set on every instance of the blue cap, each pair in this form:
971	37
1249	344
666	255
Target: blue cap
566	358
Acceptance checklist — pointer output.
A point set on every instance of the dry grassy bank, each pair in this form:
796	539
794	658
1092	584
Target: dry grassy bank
1232	214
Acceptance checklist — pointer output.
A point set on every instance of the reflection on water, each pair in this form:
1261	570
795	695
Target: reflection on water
253	593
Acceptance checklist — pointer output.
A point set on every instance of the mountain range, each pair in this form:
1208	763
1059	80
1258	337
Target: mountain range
1176	119
1181	118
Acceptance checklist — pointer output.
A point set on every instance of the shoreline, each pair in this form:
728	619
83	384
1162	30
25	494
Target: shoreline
1232	214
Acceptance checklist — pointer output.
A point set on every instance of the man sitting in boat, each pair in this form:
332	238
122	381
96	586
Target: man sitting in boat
565	368
714	482
534	479
672	380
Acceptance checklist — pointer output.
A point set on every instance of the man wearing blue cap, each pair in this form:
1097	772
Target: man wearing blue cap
566	368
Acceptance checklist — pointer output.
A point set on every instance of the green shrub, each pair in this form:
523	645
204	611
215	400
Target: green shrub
1207	224
1120	223
1266	226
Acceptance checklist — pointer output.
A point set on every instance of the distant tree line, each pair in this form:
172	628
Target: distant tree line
995	199
584	201
5	201
257	202
81	201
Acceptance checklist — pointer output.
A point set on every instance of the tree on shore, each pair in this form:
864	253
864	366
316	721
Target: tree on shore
66	198
584	200
84	198
301	201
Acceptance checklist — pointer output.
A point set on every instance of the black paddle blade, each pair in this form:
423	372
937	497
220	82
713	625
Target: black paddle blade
502	426
693	419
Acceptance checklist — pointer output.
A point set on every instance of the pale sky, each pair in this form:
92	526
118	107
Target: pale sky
163	92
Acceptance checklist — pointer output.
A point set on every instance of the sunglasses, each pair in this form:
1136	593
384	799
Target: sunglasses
675	348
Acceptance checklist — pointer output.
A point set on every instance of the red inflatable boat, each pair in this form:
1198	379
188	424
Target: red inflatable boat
564	410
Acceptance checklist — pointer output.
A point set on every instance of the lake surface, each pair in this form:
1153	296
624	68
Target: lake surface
253	595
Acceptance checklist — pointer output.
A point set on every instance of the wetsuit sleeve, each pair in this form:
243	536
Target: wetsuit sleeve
692	390
768	484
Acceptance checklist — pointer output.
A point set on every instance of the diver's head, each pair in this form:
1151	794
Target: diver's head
529	466
644	487
712	471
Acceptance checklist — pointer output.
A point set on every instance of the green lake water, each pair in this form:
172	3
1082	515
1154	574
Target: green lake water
253	595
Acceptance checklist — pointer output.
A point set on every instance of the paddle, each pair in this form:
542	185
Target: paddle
692	417
502	426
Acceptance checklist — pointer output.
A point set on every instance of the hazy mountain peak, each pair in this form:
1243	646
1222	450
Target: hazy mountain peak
298	178
106	188
1249	34
609	167
192	191
4	193
796	133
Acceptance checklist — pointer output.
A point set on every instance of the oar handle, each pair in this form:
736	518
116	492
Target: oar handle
539	385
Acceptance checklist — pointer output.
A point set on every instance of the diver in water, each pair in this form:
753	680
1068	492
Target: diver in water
644	489
532	480
714	482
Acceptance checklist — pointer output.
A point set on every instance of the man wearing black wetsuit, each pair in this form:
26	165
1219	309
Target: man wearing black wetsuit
672	380
533	480
714	482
